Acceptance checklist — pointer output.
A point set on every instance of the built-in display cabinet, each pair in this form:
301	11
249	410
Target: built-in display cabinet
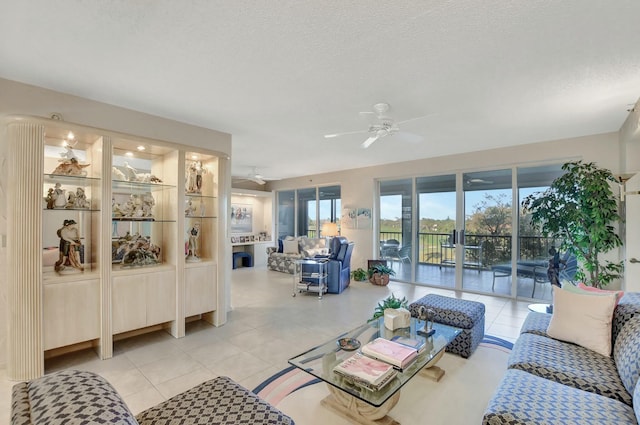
117	235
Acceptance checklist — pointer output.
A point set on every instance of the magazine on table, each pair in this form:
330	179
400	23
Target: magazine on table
394	353
417	344
366	372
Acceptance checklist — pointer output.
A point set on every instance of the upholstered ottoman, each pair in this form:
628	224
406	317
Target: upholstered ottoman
463	314
220	401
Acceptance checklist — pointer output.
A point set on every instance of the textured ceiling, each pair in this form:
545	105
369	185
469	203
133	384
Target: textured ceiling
278	75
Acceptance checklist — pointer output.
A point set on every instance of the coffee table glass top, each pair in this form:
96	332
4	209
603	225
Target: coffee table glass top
320	361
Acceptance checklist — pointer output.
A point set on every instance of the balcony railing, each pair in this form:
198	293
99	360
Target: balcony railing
495	249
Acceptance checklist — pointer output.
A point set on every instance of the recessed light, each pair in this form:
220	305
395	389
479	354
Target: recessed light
70	136
141	148
129	153
194	156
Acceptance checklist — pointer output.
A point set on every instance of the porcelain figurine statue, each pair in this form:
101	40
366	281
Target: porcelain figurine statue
69	255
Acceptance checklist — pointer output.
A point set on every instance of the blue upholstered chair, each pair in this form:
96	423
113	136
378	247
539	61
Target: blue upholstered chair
339	267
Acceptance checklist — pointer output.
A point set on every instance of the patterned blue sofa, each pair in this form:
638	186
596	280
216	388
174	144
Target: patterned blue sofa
285	262
554	382
78	397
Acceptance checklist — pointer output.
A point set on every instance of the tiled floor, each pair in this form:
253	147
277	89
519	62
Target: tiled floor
266	327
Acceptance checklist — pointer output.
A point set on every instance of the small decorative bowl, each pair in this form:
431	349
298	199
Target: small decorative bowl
348	344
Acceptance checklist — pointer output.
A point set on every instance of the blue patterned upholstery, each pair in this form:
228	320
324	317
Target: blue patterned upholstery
568	364
526	399
464	314
536	323
216	402
628	307
636	400
625	353
553	382
68	397
73	397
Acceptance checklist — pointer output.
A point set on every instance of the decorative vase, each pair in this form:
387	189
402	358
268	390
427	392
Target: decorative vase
379	279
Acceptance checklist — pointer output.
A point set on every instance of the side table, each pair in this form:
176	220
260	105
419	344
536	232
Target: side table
541	308
310	275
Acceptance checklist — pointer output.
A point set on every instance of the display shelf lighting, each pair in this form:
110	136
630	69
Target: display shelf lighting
141	148
128	153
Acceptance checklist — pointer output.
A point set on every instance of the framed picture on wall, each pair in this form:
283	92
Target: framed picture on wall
241	218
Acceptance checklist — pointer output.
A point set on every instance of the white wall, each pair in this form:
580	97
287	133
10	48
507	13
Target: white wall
358	185
22	99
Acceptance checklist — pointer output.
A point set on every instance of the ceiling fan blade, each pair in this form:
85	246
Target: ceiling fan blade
369	141
408	137
414	119
329	136
257	180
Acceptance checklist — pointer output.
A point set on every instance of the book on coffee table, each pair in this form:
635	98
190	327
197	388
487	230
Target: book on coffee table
394	353
366	372
417	344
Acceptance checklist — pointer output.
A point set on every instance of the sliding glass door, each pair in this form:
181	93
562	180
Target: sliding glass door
396	220
436	252
467	231
486	236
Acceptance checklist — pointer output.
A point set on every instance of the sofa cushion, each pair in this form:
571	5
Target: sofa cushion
598	291
216	402
568	364
290	247
636	400
69	397
525	399
626	353
583	319
627	308
536	323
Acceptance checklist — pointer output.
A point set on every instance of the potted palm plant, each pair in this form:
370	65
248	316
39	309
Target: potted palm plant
379	274
390	302
581	210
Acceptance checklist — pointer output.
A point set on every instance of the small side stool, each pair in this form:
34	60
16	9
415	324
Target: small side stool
463	314
245	257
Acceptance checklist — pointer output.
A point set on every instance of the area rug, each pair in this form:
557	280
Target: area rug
459	398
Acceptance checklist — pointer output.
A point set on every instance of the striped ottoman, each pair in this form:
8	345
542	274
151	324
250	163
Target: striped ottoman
463	314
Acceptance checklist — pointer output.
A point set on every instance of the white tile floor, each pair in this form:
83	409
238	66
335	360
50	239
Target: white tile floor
266	327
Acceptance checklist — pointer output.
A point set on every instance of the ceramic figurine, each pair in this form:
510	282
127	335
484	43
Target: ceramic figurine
71	167
59	197
69	247
50	199
192	249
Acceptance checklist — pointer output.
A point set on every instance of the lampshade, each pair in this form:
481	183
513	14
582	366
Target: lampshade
329	229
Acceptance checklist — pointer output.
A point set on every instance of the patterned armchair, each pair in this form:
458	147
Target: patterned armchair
80	397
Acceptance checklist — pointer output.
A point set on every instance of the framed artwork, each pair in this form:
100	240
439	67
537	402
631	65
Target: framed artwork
348	219
363	218
241	218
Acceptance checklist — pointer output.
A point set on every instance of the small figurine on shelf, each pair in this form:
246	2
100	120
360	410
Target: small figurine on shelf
68	154
71	200
69	247
192	250
200	171
50	199
71	167
191	176
81	200
130	172
59	198
190	210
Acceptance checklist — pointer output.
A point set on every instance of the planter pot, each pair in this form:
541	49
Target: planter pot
379	279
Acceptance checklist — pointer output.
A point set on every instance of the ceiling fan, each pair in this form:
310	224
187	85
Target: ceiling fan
256	177
384	126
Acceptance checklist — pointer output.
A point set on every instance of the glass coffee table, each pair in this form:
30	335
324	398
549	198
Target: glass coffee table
365	406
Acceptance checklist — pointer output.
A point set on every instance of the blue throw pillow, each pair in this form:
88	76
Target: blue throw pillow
280	247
